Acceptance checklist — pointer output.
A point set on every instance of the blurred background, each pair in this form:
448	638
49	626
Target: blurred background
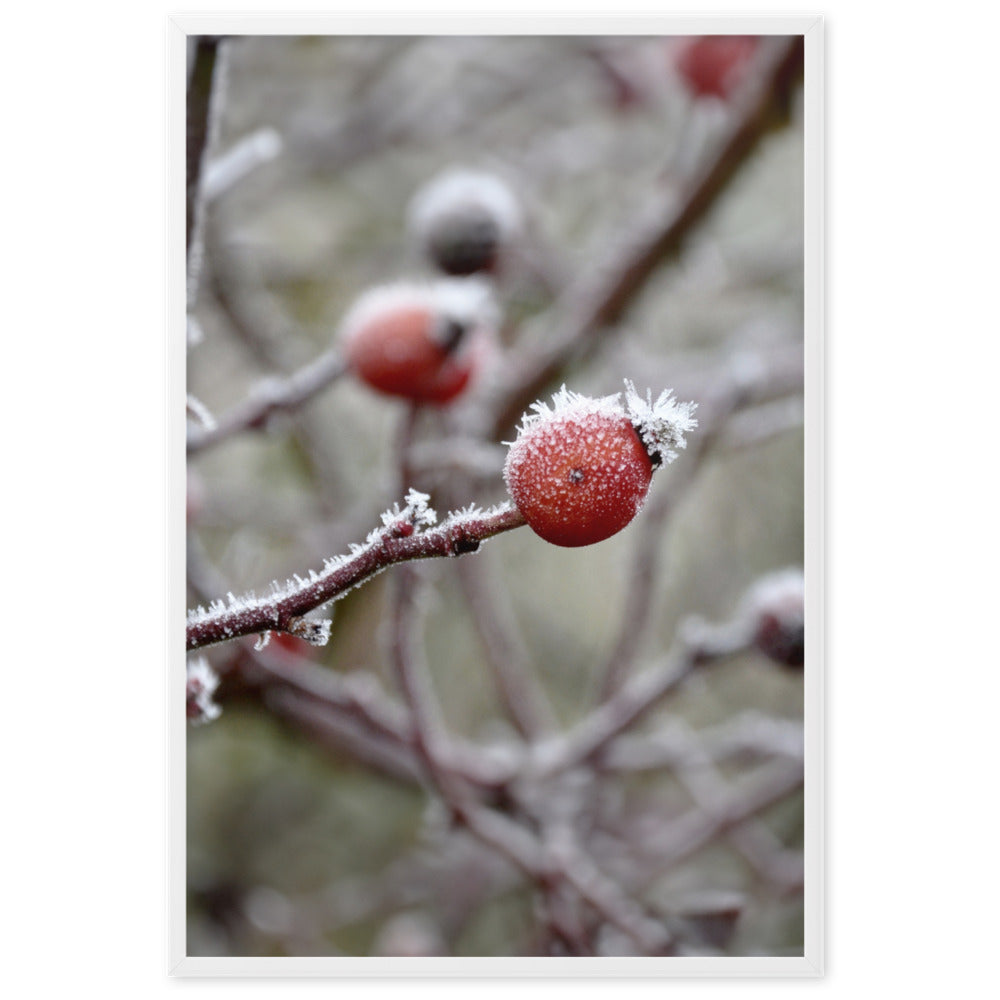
659	191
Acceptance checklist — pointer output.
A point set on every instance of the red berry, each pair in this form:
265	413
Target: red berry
423	344
714	65
580	472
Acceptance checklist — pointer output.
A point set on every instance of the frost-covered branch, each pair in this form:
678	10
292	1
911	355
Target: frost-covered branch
696	829
711	792
405	534
601	295
224	172
271	396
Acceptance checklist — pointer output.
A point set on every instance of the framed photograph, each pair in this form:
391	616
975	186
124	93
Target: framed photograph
497	501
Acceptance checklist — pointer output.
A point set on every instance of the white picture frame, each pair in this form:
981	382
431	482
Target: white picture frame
811	962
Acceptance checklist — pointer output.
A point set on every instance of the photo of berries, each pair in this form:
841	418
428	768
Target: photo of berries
496	513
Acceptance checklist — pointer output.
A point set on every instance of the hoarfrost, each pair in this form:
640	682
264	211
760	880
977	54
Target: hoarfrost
197	409
416	511
468	301
661	425
202	681
463	190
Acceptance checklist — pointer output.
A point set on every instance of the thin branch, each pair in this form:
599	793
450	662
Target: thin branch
507	659
754	841
643	692
271	396
749	735
401	539
250	152
648	552
695	830
199	102
203	99
611	902
413	679
600	297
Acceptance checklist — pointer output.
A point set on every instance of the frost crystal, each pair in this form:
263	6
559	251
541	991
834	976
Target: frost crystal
416	515
202	681
417	510
661	425
197	409
468	301
315	631
565	403
462	191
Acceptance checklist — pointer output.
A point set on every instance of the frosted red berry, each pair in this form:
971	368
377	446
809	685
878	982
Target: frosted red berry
714	65
421	344
580	471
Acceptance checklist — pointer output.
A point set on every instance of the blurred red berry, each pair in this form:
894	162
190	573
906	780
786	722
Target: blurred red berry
422	344
714	65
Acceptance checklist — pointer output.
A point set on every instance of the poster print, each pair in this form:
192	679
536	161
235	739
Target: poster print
496	524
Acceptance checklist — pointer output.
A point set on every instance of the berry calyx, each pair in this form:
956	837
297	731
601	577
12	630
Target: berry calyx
579	471
420	343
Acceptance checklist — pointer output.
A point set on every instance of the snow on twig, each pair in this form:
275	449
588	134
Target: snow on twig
405	534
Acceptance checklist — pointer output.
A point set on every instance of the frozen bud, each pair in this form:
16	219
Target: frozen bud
202	681
464	220
775	609
425	343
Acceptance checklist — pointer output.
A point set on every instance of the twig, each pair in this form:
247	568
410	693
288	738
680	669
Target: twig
648	554
506	657
223	173
413	678
599	298
749	735
202	126
271	396
643	692
688	835
399	540
754	841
